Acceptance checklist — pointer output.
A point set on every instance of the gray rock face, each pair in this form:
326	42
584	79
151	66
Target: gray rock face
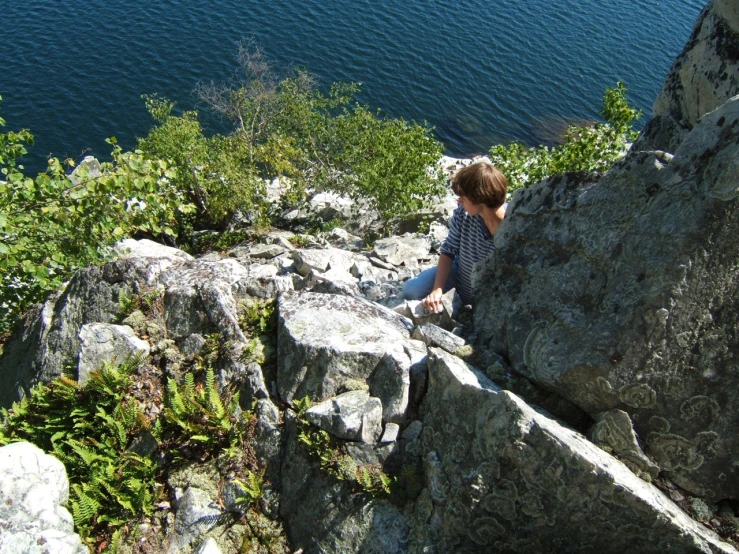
48	340
102	343
33	490
324	340
614	430
197	513
502	477
400	250
353	415
433	335
623	294
703	77
322	260
323	516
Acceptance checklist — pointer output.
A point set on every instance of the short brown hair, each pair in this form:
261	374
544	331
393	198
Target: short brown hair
482	183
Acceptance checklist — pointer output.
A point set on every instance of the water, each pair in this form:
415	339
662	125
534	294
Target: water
480	72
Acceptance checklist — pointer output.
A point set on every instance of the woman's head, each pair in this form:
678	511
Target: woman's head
481	183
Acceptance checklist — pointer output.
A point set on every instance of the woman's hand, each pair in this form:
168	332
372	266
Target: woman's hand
433	301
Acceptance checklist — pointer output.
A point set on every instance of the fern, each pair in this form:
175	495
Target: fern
200	415
252	489
332	458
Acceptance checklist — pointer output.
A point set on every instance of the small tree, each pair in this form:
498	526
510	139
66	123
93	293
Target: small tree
585	148
285	127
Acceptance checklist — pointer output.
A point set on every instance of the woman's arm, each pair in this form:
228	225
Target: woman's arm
433	301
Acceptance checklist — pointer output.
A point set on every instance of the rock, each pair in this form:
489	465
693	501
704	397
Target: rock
89	166
209	546
262	251
354	416
33	491
322	515
451	304
196	514
436	336
399	250
323	260
329	205
103	343
201	297
613	429
503	477
621	294
193	344
391	433
47	341
326	339
702	78
339	237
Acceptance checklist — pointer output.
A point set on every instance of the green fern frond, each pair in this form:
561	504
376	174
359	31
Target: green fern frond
88	456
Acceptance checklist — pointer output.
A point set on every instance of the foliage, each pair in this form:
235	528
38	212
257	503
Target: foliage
252	489
205	242
90	430
585	148
286	128
258	316
52	224
208	172
332	458
204	422
258	321
209	353
143	301
300	241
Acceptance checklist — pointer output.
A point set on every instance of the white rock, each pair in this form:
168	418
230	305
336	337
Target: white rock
33	488
102	343
354	416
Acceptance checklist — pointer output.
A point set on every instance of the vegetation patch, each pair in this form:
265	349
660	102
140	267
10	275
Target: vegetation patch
331	456
100	433
589	148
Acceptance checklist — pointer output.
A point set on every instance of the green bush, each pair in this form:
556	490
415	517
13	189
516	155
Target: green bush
287	128
51	225
585	148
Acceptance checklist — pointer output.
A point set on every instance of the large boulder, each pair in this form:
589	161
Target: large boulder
622	294
327	343
703	77
504	477
322	514
33	492
102	343
47	339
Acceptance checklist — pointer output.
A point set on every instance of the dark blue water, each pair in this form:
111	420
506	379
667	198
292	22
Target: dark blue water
480	72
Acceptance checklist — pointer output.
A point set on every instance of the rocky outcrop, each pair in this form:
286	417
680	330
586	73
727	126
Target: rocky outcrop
503	477
623	294
703	77
327	342
33	492
613	301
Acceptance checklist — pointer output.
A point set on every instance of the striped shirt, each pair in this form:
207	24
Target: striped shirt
468	242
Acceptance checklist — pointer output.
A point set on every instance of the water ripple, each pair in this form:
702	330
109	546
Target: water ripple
480	72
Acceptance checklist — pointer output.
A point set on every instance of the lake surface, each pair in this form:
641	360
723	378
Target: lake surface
480	72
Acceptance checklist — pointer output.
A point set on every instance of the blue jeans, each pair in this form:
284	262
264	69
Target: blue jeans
420	286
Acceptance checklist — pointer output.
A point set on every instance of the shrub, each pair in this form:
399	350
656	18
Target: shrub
51	225
585	148
287	128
